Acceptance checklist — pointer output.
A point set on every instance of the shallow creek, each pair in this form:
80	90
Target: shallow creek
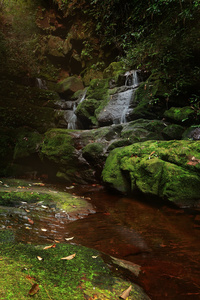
163	240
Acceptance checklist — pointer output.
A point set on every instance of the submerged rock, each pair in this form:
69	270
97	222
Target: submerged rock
169	170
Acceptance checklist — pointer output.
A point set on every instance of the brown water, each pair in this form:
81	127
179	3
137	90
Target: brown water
163	240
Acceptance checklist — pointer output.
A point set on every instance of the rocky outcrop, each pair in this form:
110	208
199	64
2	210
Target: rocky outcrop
167	169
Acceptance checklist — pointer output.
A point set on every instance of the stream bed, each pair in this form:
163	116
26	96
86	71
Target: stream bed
162	239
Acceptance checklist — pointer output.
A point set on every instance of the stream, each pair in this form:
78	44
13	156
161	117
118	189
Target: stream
162	239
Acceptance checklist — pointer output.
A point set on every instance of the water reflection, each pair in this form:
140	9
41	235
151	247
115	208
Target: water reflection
163	240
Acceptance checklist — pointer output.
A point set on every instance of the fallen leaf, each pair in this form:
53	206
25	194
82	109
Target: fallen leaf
48	247
193	163
44	206
126	293
69	239
34	289
69	187
151	154
38	184
30	278
27	227
69	257
95	256
30	221
43	229
39	258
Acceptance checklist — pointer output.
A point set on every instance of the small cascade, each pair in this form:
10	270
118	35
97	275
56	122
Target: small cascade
73	119
132	78
41	84
131	81
126	108
83	96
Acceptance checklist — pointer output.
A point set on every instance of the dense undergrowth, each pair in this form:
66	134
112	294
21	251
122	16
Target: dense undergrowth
156	36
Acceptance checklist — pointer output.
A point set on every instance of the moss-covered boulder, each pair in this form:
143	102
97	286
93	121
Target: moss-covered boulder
167	169
91	74
70	85
86	112
93	152
96	99
58	149
180	114
173	132
27	143
14	192
151	98
114	70
84	276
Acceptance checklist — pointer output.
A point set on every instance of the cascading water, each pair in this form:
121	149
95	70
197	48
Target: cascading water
73	119
41	84
116	111
132	80
72	122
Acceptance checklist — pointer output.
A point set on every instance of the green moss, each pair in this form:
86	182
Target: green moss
179	114
112	174
58	146
97	89
70	85
18	191
96	98
158	168
28	142
83	276
85	110
114	70
173	132
93	151
6	236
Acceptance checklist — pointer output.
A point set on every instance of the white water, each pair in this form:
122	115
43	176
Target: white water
73	119
125	110
132	81
41	84
72	122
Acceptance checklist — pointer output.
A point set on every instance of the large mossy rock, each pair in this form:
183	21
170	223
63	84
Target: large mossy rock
167	169
96	99
180	114
150	98
86	276
70	85
58	149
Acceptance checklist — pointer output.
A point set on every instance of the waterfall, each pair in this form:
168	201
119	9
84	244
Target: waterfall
41	84
126	108
72	122
83	96
73	119
132	78
131	81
